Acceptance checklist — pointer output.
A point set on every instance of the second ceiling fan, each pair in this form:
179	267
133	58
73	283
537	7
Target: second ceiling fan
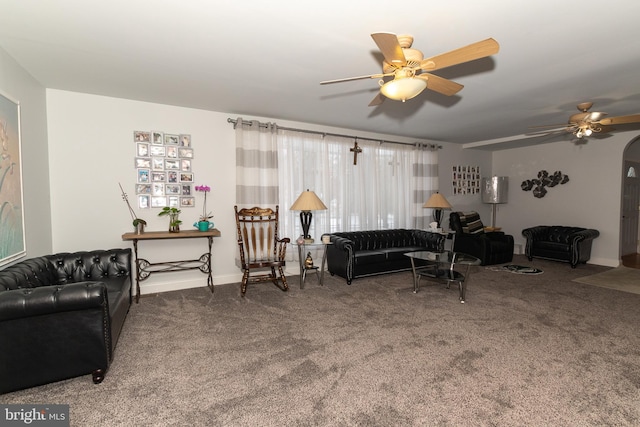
412	73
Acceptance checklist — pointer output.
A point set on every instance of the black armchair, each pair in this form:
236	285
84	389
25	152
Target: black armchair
560	243
493	247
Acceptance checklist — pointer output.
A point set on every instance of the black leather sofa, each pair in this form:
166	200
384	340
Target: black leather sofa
61	316
560	243
364	253
493	247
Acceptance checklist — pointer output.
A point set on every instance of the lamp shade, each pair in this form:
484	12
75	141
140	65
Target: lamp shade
403	88
308	201
437	200
495	189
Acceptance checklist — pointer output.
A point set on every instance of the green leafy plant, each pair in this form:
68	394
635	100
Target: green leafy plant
173	215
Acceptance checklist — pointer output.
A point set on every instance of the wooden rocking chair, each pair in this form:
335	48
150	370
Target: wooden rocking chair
260	247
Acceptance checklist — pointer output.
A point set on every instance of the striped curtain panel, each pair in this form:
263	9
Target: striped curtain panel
425	181
256	164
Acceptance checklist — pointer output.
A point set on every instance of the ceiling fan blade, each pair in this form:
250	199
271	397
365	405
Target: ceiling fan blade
561	125
348	79
440	84
474	51
379	99
390	48
633	118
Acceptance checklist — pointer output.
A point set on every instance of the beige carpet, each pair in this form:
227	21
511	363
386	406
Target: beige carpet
621	278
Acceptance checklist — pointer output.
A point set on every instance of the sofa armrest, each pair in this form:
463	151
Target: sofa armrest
431	241
587	234
28	302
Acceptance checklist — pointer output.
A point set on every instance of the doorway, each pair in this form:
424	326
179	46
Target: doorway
630	205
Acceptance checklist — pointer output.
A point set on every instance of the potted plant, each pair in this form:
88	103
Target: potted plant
174	222
138	223
203	223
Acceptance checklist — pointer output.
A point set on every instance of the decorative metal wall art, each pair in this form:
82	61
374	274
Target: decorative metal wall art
544	180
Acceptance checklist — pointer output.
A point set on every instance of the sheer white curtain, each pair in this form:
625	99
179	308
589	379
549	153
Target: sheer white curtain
386	189
256	164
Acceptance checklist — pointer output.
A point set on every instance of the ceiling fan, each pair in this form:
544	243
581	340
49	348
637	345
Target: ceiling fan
585	123
412	73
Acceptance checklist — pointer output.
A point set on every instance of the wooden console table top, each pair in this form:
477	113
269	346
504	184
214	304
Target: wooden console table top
186	234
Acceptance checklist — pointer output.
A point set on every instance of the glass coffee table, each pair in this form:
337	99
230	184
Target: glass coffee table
440	266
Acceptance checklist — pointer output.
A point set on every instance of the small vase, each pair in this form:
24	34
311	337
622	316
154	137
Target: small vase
204	225
139	228
174	226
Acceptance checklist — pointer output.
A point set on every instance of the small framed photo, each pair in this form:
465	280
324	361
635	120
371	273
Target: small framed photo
185	153
158	201
157	137
143	188
171	139
172	177
157	189
172	164
141	162
143	201
186	189
172	151
142	149
158	177
157	150
186	177
141	136
157	163
185	165
143	175
187	202
185	140
174	201
172	189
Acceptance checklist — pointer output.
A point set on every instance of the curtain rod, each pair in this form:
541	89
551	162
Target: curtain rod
264	125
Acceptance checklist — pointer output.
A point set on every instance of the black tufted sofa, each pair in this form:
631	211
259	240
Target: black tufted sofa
61	316
560	243
364	253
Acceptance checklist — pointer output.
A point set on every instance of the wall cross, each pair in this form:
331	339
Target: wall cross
355	150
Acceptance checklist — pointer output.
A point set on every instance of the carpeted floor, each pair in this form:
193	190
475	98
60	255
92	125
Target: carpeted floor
535	350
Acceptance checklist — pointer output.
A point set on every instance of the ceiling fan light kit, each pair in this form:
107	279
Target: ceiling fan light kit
403	88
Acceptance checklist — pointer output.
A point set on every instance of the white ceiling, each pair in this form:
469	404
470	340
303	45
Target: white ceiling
267	59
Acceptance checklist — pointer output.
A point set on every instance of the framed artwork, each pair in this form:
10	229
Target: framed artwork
141	162
142	149
466	179
187	202
12	229
170	139
186	153
157	137
163	166
141	136
143	201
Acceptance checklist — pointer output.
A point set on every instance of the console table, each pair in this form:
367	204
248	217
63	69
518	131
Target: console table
144	268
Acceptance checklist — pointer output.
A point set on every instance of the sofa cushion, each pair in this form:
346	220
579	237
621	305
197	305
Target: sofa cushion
369	257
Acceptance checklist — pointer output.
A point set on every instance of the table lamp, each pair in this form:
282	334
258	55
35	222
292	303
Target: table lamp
438	203
305	203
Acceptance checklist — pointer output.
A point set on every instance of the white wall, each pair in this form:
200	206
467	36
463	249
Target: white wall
17	84
591	199
92	149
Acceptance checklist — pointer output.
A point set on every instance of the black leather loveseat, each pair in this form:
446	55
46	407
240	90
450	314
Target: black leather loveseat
364	253
560	243
61	316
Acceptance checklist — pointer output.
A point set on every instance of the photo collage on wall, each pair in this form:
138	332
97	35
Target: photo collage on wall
466	179
164	170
